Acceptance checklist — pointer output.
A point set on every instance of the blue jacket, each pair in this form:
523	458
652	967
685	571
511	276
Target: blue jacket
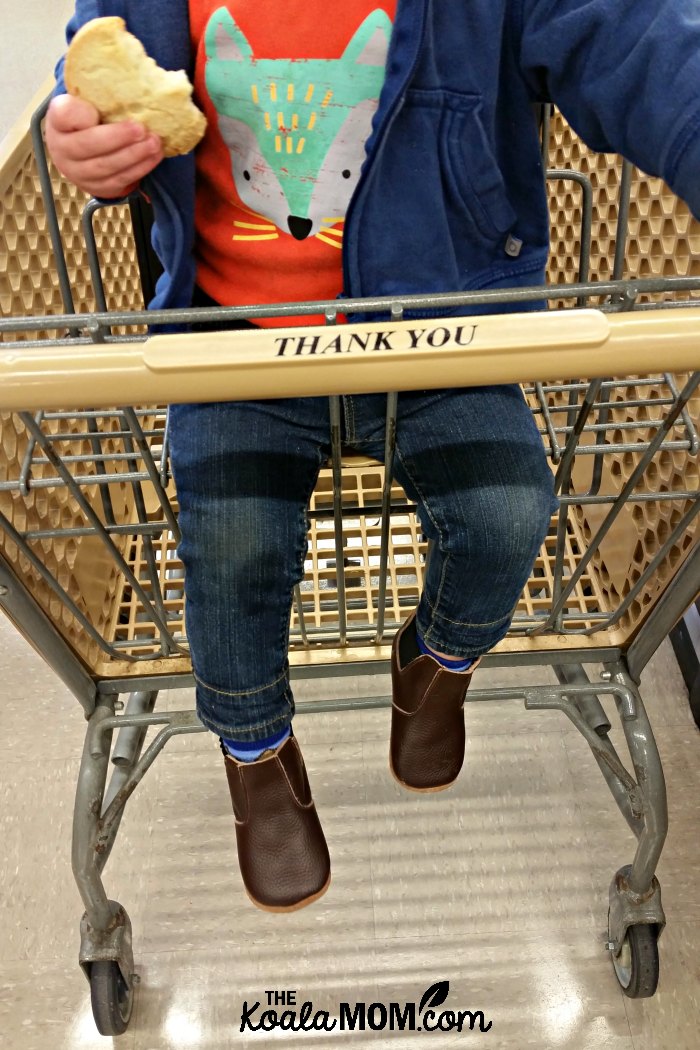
453	170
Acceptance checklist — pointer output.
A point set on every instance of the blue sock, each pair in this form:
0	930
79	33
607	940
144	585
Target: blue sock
451	663
249	750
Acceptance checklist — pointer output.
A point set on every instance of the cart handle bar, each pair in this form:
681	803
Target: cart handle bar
358	358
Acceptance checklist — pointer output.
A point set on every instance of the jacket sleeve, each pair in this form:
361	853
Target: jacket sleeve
85	10
626	75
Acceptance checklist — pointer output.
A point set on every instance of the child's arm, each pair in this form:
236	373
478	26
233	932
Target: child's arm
626	75
105	160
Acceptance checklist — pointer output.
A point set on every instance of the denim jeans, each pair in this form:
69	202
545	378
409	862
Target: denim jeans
472	460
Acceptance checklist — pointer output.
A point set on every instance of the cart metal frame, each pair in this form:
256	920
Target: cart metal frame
344	648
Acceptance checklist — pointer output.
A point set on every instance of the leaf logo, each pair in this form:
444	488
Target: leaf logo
434	996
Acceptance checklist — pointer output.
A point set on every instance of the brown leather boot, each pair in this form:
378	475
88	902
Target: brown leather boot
427	717
281	847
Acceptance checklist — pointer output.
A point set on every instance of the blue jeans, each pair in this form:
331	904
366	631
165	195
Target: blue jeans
471	459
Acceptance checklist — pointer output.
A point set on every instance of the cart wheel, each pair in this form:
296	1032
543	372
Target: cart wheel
112	999
637	965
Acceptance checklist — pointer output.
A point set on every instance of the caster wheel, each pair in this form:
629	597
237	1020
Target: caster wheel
637	965
112	999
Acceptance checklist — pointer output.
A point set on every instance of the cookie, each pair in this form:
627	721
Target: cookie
108	67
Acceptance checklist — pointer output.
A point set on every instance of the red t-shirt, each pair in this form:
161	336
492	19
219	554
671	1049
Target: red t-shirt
289	88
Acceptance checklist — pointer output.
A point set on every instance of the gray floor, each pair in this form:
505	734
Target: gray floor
498	886
33	40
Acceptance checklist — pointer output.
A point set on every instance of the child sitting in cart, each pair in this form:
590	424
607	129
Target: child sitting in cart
373	148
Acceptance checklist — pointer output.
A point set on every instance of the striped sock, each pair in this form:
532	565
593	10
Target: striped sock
451	663
249	750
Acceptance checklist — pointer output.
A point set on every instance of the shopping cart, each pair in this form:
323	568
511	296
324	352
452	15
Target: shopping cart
89	569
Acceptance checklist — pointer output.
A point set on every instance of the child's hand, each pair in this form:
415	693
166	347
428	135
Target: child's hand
105	160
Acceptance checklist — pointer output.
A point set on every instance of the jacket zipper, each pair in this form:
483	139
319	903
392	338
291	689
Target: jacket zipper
380	135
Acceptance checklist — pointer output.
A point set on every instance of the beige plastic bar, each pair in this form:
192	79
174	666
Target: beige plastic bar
358	358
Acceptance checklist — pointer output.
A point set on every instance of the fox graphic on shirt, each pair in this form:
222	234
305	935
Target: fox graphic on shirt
296	128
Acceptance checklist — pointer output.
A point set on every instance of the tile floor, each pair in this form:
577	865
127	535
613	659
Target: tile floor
498	886
33	40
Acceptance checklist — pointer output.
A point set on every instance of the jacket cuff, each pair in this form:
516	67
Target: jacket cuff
60	88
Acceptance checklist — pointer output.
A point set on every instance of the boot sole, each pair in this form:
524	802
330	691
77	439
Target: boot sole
280	909
417	790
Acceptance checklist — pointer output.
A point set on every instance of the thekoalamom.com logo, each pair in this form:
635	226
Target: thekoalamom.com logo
280	1012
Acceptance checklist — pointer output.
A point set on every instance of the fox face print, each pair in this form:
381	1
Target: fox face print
296	128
